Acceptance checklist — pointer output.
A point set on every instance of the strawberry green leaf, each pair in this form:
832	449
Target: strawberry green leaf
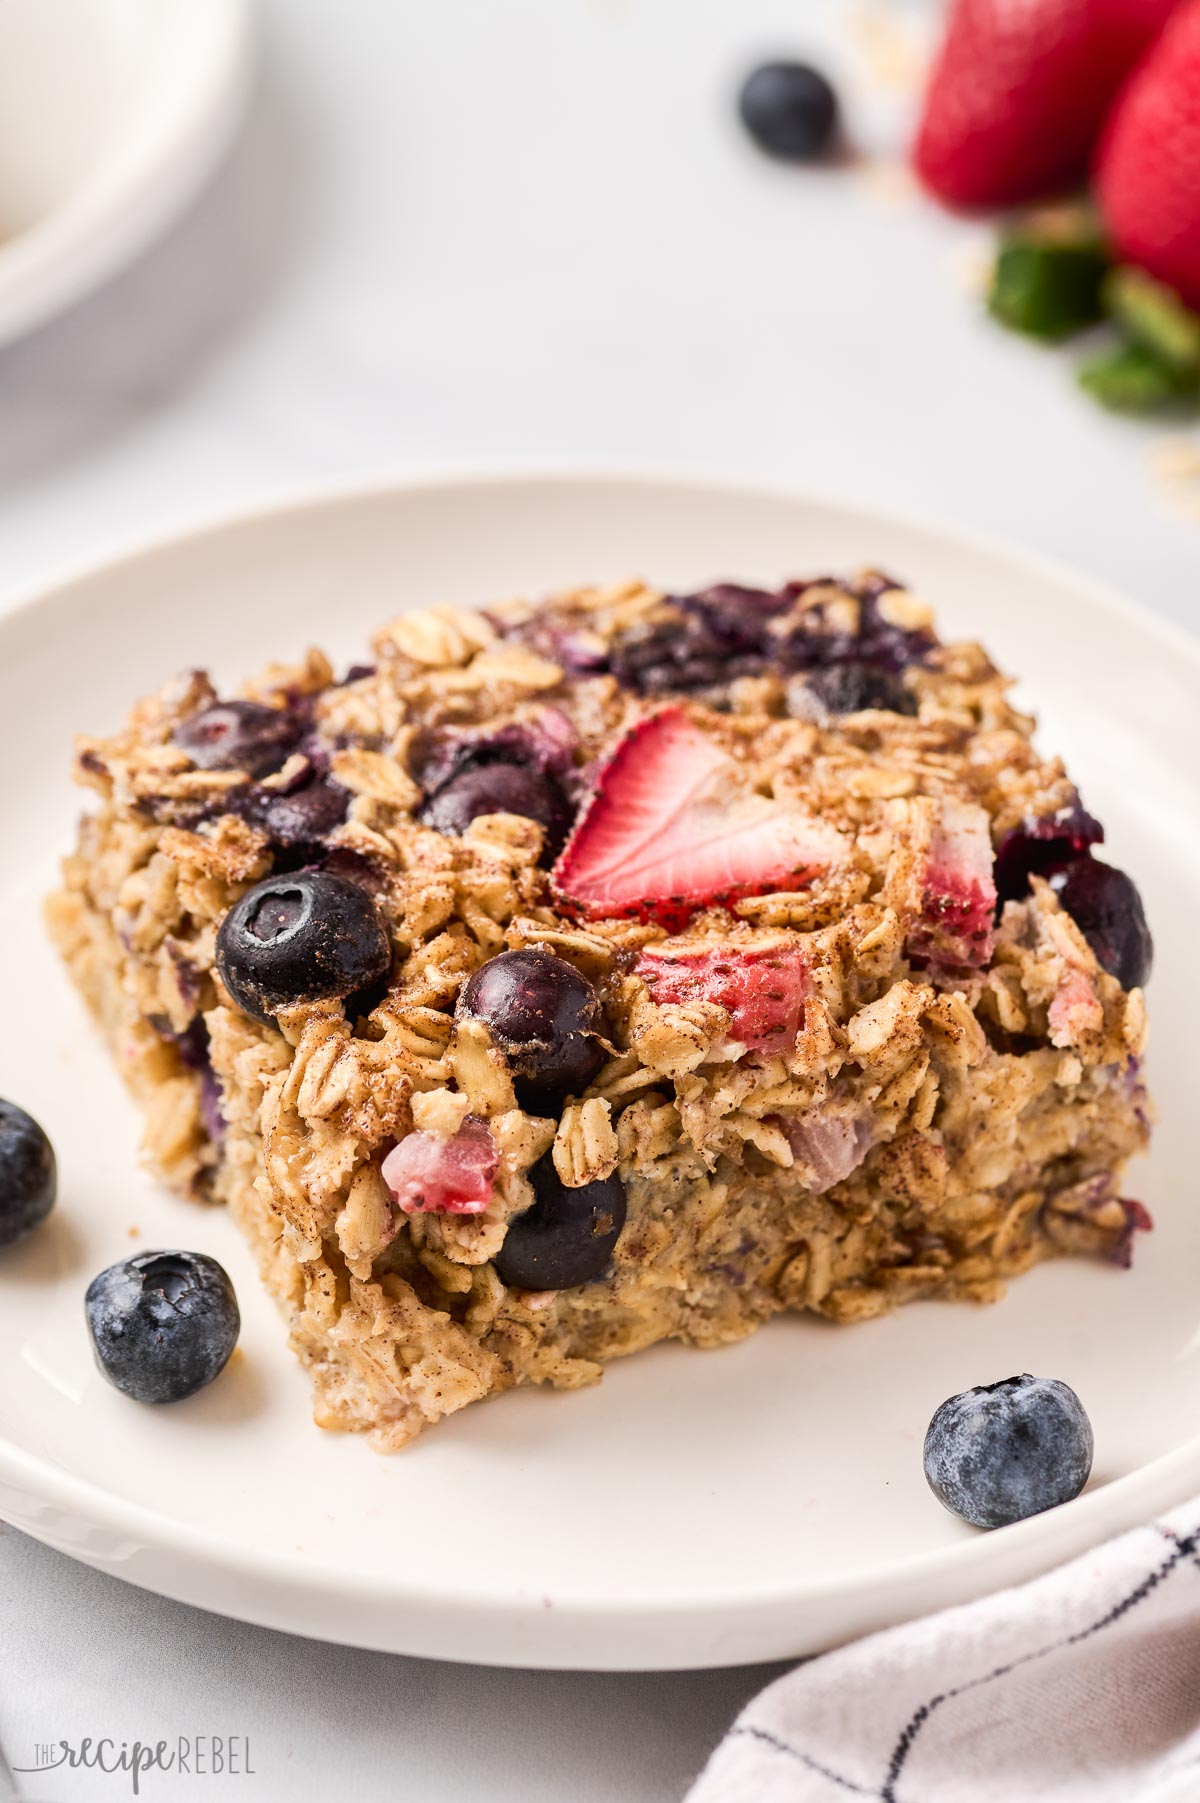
1131	379
1154	318
1045	289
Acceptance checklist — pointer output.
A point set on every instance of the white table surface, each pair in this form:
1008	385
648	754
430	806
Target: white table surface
460	234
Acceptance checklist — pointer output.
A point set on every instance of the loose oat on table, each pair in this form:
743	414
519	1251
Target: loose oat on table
621	968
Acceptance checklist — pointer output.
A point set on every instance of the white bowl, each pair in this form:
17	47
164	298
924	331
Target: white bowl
112	113
696	1508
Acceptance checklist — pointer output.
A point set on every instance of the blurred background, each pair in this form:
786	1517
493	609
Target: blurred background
463	234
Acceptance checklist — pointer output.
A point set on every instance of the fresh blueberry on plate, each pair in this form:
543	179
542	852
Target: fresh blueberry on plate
790	110
163	1324
1005	1451
301	938
567	1237
28	1174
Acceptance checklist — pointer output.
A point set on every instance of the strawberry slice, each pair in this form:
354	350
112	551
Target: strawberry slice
671	827
761	985
958	901
431	1175
1019	93
1148	168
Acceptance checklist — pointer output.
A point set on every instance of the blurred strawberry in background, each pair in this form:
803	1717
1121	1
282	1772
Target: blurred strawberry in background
1030	99
1020	91
1148	168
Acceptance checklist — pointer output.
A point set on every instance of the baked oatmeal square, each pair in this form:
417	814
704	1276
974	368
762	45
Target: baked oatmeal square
621	968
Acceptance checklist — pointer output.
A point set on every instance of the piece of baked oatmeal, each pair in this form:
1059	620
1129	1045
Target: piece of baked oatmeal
624	968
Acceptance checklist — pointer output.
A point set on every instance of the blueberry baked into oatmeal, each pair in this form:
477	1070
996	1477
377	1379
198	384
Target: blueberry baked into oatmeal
629	967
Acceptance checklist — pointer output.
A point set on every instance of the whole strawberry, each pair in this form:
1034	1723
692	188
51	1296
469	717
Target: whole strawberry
1019	93
1148	167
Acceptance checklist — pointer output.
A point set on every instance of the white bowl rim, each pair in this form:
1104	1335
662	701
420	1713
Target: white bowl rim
136	189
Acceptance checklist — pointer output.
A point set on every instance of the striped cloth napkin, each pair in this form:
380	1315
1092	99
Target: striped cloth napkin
1083	1686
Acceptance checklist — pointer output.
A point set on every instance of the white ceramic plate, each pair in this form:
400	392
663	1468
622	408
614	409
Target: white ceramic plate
112	113
696	1508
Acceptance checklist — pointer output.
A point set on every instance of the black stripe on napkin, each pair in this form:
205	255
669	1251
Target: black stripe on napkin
1183	1548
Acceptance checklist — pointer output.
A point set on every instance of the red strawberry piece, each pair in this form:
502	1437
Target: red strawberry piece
431	1175
1130	27
958	891
1019	93
1148	166
670	827
762	986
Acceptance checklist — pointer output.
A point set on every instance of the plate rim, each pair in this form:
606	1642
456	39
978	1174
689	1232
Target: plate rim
1002	1556
180	528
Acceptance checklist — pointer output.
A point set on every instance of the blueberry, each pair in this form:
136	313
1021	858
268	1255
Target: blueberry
849	688
567	1237
878	639
28	1174
501	788
683	656
790	110
240	735
1001	1452
1106	907
733	616
728	631
1041	845
306	816
301	938
673	658
163	1324
543	744
723	634
818	636
544	1017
